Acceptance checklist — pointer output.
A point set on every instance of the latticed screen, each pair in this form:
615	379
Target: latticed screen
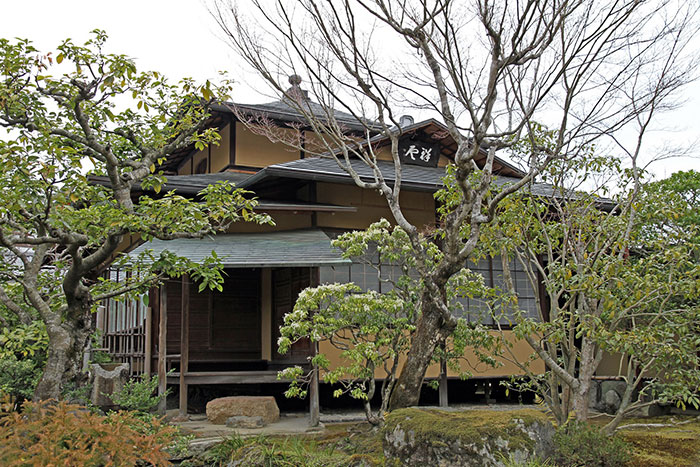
474	309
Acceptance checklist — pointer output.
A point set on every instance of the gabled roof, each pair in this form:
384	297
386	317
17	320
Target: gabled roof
279	112
434	130
283	111
326	169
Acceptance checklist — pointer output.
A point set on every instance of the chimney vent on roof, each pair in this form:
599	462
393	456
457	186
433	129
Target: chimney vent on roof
406	120
295	91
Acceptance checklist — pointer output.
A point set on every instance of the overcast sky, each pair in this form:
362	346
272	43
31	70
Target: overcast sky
179	38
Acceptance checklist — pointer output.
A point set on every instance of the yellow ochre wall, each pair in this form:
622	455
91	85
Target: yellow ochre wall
258	151
219	154
419	208
610	365
283	221
520	348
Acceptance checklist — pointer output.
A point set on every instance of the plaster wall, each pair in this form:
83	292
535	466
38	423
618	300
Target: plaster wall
217	153
470	362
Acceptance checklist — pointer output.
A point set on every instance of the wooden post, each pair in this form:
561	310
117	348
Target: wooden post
184	344
148	342
162	343
314	406
443	383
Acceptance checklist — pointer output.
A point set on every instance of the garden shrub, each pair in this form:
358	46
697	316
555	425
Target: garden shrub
78	393
580	444
18	378
25	341
139	395
23	350
264	451
57	433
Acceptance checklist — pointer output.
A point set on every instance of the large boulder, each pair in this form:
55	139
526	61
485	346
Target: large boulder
610	394
221	409
422	436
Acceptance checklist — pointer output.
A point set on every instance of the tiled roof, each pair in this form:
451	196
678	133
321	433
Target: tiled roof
412	176
296	248
282	110
184	184
189	185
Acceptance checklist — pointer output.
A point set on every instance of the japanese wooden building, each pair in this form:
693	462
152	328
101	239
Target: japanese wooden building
229	337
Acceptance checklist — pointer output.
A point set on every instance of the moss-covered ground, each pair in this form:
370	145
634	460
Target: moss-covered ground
358	444
674	446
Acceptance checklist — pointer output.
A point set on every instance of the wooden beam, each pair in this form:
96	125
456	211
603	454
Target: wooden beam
226	377
162	343
148	342
184	344
232	141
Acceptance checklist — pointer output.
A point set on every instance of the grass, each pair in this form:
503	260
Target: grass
341	445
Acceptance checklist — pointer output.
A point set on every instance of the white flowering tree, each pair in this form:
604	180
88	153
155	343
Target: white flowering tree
372	330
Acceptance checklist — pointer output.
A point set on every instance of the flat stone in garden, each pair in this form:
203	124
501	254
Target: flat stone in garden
221	409
241	421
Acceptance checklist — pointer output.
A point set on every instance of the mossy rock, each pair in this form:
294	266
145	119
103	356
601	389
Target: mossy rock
465	438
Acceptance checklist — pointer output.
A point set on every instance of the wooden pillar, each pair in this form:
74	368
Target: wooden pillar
162	344
184	344
443	383
148	342
314	406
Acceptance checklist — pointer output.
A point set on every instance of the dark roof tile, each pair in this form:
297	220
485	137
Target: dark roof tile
296	248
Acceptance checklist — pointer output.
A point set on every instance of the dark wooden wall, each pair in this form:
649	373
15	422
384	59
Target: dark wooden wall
286	285
223	325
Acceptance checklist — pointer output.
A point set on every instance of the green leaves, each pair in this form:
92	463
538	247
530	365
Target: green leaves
92	113
621	280
24	341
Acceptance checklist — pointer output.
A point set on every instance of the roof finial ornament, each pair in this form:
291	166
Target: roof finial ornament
406	120
295	80
295	91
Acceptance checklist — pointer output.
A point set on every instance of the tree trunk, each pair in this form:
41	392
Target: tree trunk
581	399
587	367
430	331
67	342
